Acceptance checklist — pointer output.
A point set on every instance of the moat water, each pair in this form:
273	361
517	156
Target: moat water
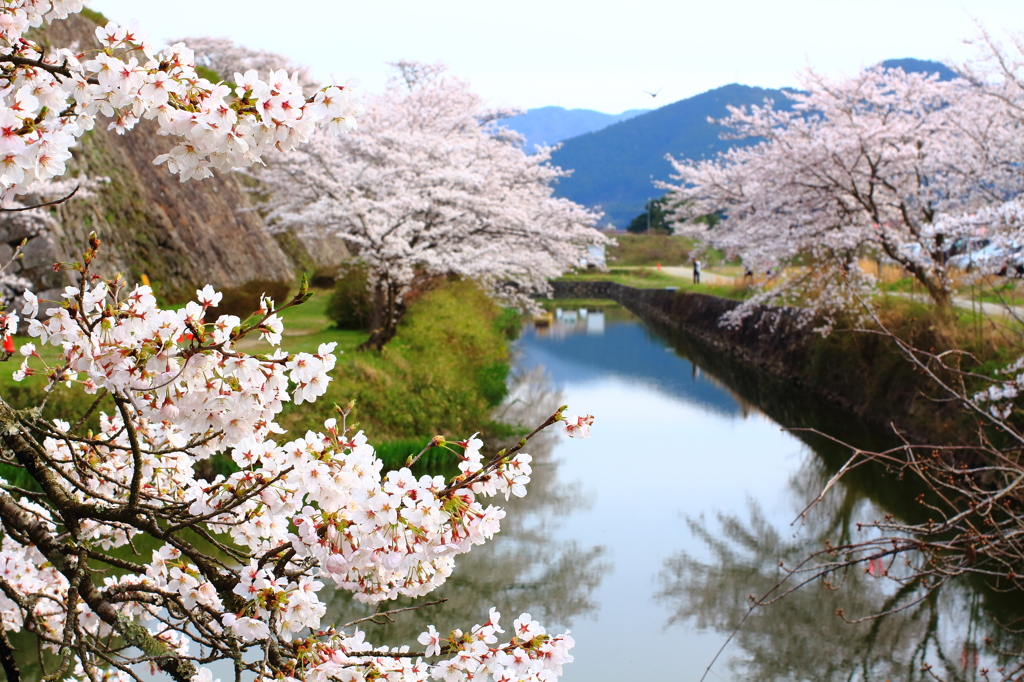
648	539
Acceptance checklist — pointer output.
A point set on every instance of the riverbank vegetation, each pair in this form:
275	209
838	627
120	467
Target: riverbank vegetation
644	277
446	366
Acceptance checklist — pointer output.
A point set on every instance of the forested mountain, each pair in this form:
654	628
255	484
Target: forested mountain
550	125
911	65
614	167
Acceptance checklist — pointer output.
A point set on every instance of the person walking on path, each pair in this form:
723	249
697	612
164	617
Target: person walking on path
696	271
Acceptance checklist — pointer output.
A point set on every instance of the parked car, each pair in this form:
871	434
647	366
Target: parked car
998	259
977	253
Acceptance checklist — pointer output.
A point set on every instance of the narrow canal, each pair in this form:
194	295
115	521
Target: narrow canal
647	539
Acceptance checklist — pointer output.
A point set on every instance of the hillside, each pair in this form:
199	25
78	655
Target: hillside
614	168
550	125
911	65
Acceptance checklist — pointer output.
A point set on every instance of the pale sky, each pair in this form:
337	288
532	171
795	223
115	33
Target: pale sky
598	55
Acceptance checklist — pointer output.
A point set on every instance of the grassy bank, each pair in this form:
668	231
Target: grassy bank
651	249
441	374
653	278
869	370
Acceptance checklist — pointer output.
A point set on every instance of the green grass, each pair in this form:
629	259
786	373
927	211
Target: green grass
550	304
651	278
442	373
306	326
643	278
643	249
651	249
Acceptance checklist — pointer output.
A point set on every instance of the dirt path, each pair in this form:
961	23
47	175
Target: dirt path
705	276
988	309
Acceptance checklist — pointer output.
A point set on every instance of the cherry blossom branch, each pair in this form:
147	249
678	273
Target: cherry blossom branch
45	204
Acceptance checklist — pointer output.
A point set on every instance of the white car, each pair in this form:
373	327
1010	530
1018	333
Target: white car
982	255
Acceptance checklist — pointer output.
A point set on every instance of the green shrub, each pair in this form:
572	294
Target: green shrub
351	304
509	322
324	278
396	453
208	73
94	16
491	382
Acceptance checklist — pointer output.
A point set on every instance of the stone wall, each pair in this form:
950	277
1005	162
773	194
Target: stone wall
773	338
862	373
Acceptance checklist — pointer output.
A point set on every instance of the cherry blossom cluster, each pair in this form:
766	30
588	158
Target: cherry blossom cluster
1001	393
576	426
168	361
531	654
52	96
298	513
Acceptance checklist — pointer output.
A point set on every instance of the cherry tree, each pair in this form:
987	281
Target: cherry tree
886	162
430	185
240	559
997	73
225	57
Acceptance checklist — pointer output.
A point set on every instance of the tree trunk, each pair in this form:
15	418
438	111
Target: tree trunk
941	296
384	316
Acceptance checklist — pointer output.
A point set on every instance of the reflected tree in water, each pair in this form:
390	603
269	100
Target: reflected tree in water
953	634
524	568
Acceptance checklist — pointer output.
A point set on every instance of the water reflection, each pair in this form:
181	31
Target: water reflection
574	321
954	634
693	485
524	568
575	352
801	637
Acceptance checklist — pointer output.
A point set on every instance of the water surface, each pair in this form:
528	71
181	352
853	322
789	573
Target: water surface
647	539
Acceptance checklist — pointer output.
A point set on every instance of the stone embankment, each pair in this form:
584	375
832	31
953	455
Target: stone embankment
774	339
862	373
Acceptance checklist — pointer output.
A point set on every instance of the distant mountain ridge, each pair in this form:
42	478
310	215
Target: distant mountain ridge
614	167
911	65
551	125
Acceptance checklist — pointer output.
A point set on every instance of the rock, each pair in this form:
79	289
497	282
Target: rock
38	252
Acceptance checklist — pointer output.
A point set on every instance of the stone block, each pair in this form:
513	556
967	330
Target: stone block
39	252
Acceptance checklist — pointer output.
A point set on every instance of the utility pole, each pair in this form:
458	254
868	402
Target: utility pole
648	215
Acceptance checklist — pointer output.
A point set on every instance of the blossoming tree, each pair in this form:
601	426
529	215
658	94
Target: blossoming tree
997	75
241	559
885	162
430	186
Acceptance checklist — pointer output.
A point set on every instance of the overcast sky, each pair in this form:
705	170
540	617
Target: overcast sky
595	55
